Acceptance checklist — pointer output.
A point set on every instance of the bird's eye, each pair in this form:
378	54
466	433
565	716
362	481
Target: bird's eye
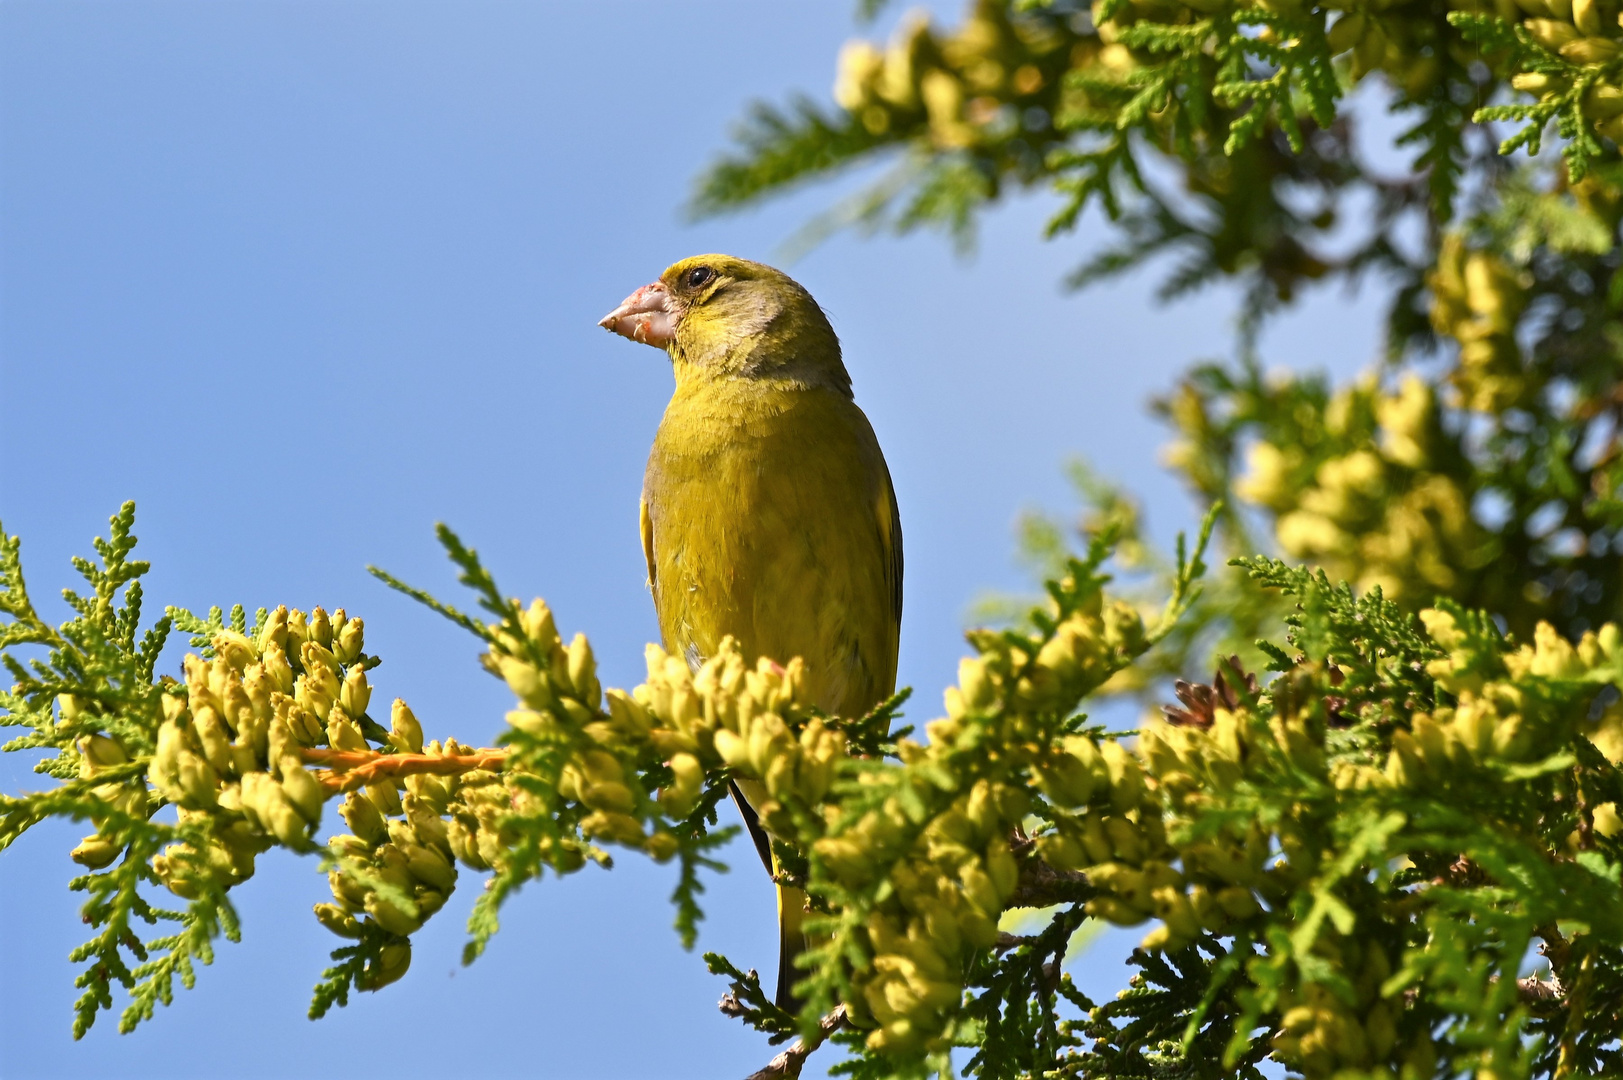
699	277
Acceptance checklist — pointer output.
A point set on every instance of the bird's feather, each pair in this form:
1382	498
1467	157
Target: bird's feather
768	513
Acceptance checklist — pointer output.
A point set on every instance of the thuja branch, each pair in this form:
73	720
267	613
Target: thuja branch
787	1065
348	770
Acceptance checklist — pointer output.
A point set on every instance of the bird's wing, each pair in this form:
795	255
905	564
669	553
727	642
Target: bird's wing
890	535
647	526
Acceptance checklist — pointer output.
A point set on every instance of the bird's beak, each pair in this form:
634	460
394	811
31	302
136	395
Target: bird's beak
647	315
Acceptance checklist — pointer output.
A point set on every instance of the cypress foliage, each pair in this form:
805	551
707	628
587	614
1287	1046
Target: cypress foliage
1381	839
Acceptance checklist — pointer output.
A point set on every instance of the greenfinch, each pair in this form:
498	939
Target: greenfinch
767	509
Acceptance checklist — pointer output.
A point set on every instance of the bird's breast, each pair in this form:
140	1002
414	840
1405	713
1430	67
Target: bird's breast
762	505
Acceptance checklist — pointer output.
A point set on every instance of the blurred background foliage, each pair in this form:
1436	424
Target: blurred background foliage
1477	459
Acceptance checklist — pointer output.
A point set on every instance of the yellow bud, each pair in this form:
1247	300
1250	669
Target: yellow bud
1002	868
979	890
583	670
463	835
860	65
621	828
1061	852
342	732
628	714
1126	778
1591	50
392	963
662	846
298	629
403	723
975	682
541	725
274	663
430	867
320	627
96	851
338	920
1124	627
1551	33
1347	32
235	649
844	858
214	738
1537	83
303	790
363	818
1115	910
267	804
197	781
356	694
687	784
612	797
317	690
349	641
173	705
274	632
734	749
524	680
1237	902
538	624
394	914
1065	779
103	751
430	790
1095	840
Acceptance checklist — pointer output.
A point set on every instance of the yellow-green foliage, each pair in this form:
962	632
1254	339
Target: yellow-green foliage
1345	853
1485	438
1341	866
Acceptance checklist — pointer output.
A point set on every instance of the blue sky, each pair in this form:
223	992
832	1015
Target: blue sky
304	278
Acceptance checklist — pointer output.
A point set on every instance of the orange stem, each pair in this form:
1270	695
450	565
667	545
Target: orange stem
351	769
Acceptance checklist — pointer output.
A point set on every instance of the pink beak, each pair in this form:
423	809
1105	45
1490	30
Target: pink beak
647	315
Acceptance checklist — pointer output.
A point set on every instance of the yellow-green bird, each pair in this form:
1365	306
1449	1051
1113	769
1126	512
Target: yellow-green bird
767	509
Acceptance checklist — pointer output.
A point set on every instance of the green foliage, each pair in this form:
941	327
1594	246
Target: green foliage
1384	839
92	699
1344	866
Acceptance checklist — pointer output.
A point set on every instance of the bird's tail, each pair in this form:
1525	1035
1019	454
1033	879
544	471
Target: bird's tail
791	901
791	943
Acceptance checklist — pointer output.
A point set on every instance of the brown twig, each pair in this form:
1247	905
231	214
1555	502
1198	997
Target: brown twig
1007	941
788	1064
1536	991
351	769
1040	885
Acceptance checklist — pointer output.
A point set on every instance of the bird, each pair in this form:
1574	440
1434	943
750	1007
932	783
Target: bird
767	512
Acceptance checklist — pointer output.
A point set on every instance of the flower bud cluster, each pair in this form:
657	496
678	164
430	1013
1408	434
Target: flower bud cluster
1023	681
230	756
1224	877
1375	508
1323	1033
753	721
593	747
228	751
97	753
962	89
950	881
1584	33
1495	718
1477	299
931	860
397	866
1197	869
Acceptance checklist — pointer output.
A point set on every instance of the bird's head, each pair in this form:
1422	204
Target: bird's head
718	316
